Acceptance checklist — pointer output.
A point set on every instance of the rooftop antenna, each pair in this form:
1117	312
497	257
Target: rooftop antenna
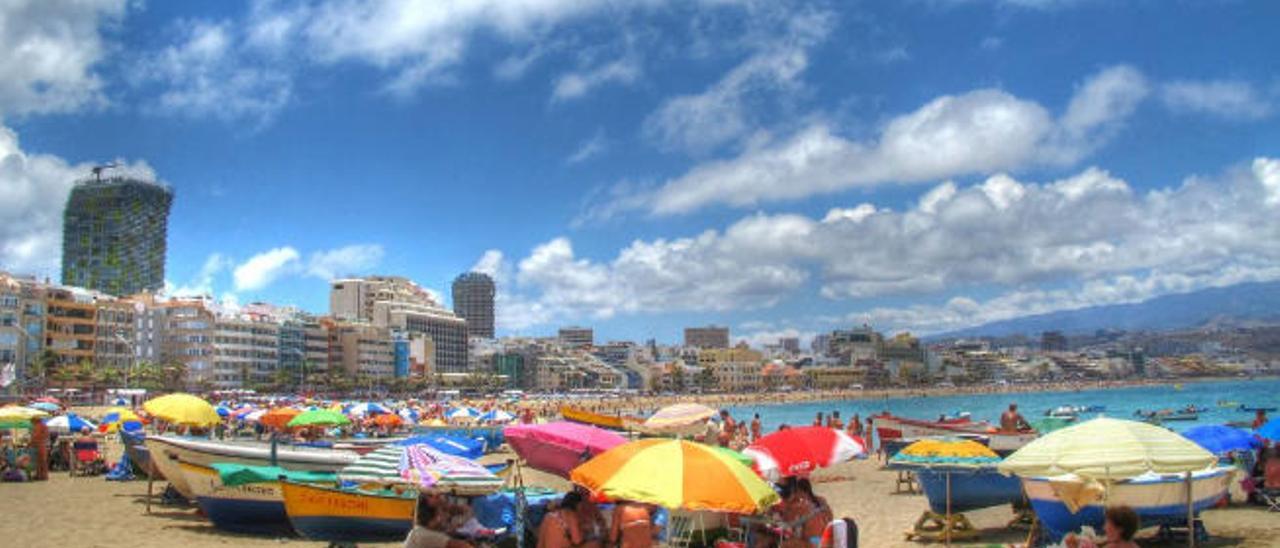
97	170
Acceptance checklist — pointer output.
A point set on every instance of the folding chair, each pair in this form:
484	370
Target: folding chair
1270	497
86	459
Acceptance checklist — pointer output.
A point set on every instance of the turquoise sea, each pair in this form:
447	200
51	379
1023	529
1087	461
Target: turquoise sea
1119	402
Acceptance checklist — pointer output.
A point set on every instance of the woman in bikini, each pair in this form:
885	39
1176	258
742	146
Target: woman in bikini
560	526
632	525
591	522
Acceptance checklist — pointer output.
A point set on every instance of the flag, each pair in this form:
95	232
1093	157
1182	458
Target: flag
8	375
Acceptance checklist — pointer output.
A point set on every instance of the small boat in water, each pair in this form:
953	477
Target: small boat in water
168	451
348	515
1255	409
1158	499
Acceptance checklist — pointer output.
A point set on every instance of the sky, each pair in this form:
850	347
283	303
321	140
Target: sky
782	167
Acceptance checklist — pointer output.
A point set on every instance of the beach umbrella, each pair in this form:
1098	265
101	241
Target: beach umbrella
323	417
799	451
117	415
458	446
45	406
48	399
119	401
497	415
945	453
253	415
66	424
423	466
14	416
679	417
408	414
279	417
1220	439
559	447
223	411
365	409
182	409
1106	448
462	413
675	474
388	420
1270	430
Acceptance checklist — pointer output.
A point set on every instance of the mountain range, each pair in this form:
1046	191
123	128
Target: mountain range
1247	303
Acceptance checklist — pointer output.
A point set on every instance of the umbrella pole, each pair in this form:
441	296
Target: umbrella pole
1191	515
946	531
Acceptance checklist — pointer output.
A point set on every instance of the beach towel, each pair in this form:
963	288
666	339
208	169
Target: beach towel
1076	494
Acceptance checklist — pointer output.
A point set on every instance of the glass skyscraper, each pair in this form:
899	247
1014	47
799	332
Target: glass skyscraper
113	235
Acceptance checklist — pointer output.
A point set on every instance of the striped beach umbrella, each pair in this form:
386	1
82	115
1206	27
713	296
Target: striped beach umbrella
462	413
675	474
1106	448
497	415
365	409
423	466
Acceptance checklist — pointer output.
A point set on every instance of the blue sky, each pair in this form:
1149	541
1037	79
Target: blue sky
784	167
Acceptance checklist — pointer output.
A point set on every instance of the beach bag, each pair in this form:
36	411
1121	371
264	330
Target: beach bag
122	471
841	533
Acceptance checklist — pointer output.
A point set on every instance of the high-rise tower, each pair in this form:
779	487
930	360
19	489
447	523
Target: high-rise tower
113	235
473	300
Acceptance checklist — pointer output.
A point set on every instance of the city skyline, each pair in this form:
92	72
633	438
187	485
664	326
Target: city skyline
779	168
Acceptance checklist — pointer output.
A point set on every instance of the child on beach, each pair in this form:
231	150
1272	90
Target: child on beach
1121	523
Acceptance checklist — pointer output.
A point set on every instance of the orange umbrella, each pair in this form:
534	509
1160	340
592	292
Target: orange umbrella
279	417
675	474
388	420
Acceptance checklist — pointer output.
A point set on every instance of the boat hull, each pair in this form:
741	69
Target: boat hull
167	452
890	427
337	515
1157	501
255	509
970	490
135	446
596	419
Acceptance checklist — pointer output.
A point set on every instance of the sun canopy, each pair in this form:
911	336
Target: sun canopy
945	454
1105	448
1219	439
678	417
182	409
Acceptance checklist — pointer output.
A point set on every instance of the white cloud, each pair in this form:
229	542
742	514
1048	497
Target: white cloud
50	50
1091	233
725	112
203	284
33	195
211	73
575	85
1232	100
982	131
343	261
590	148
264	268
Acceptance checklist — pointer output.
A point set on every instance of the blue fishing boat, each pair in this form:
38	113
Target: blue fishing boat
1065	504
971	489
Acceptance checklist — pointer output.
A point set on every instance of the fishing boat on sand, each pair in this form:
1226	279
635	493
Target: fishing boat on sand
1065	503
890	427
348	515
244	499
595	419
168	451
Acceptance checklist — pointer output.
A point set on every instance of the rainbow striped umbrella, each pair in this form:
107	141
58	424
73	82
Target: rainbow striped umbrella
676	474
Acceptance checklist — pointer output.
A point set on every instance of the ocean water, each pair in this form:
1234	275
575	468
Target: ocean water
1119	402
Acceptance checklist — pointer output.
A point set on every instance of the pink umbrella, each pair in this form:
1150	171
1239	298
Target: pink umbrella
559	447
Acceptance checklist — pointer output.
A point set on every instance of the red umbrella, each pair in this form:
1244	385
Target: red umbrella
388	420
559	447
799	451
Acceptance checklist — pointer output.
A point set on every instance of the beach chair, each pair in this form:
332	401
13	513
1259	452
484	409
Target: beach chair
85	459
680	531
1269	497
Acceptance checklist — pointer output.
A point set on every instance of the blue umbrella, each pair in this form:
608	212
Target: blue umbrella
462	413
45	406
1219	439
1270	430
222	411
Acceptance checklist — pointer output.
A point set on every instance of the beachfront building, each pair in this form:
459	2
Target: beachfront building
359	349
400	305
115	336
246	351
576	337
738	354
114	235
70	325
711	336
22	305
473	295
736	376
850	346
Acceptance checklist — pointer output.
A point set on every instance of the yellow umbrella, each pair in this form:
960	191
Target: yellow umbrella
1105	448
183	409
676	474
17	412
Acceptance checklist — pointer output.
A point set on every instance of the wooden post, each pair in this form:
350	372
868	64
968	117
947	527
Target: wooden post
1191	514
946	528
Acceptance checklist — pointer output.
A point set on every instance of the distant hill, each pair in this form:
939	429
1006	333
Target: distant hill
1238	304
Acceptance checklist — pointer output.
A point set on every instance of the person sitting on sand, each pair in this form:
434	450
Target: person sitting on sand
560	527
429	529
633	525
1121	523
813	511
1013	421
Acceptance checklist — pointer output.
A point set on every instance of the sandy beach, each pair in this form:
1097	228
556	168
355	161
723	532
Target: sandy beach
89	511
